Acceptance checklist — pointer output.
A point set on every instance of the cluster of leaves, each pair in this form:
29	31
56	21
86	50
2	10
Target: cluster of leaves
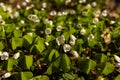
38	61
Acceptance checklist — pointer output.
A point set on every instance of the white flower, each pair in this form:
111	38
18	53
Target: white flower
0	17
22	21
33	18
24	3
104	13
66	47
72	37
59	13
91	37
53	13
59	28
44	4
14	14
6	75
30	7
112	22
60	40
50	22
72	42
30	33
82	31
66	12
95	20
2	22
16	55
46	43
82	1
88	6
48	31
18	6
117	58
17	28
118	64
75	54
4	56
67	2
9	9
97	13
28	1
94	4
0	53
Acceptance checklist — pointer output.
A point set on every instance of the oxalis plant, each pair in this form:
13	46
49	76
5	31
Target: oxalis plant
59	40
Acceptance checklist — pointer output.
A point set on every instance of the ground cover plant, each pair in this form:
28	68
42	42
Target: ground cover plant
59	40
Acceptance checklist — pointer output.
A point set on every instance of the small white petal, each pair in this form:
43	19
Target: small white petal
16	55
0	17
0	53
72	38
94	4
22	21
24	3
46	43
59	28
44	4
117	58
53	13
28	1
6	75
31	34
72	42
112	22
82	1
75	54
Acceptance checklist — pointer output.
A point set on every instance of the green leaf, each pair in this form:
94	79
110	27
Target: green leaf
117	78
57	62
49	38
65	63
39	46
41	77
9	64
2	32
9	27
28	61
69	76
101	57
49	70
17	42
100	78
26	75
86	65
72	30
92	43
53	55
108	68
1	46
28	39
17	33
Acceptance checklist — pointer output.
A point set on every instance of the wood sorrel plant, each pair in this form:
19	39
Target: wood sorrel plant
58	40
